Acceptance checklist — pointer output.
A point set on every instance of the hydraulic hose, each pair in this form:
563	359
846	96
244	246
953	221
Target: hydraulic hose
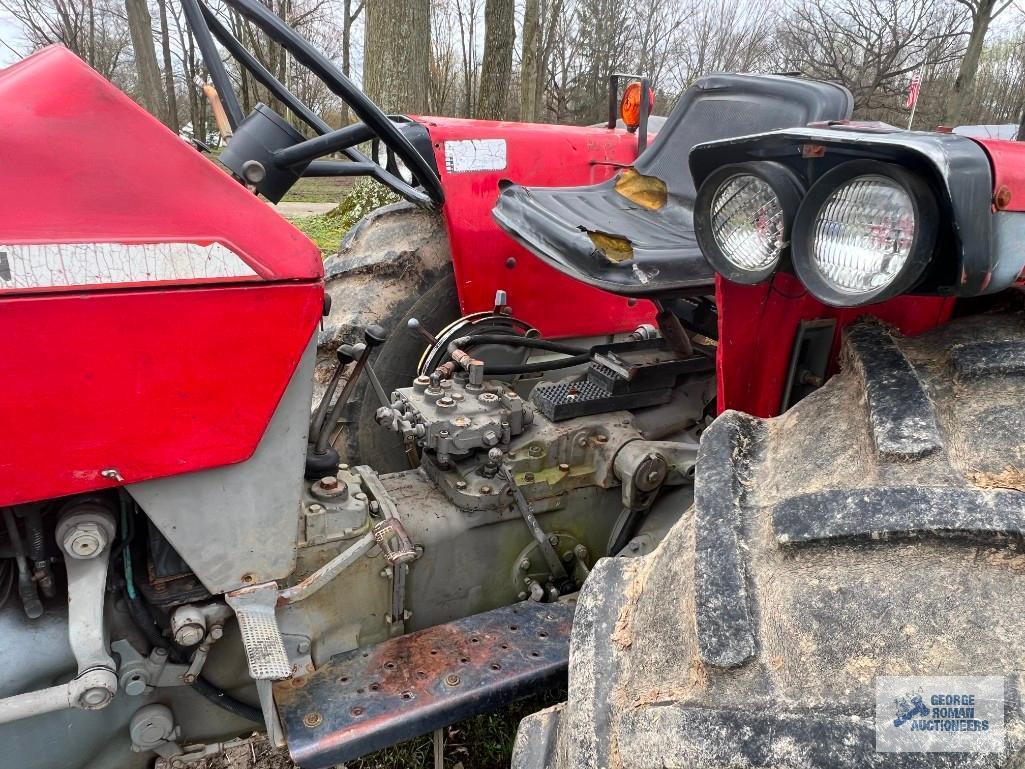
538	368
26	585
467	342
144	621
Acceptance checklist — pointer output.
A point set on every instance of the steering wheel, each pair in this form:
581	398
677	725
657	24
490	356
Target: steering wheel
268	152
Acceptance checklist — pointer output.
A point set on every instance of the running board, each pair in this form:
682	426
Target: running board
374	697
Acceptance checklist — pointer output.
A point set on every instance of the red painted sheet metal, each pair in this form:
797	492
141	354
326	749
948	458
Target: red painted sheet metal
147	383
486	259
1008	159
757	326
84	163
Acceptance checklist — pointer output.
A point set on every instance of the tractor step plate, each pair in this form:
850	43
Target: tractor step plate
373	697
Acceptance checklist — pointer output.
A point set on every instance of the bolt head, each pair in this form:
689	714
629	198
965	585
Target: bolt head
535	451
564	467
189	635
95	698
452	680
329	483
460	485
525	564
528	477
303	647
485	489
84	540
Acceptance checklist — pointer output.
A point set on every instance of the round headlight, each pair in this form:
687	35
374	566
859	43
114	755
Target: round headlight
742	217
864	233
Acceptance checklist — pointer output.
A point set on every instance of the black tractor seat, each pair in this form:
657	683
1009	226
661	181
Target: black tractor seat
634	234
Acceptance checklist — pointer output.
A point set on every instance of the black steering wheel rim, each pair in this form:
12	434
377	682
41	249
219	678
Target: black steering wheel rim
431	196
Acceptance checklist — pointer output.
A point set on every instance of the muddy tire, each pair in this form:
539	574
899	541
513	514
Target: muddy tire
873	530
391	259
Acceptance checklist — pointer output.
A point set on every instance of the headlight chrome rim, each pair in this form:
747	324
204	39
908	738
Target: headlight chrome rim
766	176
919	250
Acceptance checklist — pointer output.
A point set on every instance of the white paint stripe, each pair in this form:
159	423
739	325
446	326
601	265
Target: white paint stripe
55	265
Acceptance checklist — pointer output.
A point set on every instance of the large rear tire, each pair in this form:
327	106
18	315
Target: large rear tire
873	530
390	261
395	365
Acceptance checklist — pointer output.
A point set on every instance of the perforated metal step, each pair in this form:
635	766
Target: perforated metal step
407	686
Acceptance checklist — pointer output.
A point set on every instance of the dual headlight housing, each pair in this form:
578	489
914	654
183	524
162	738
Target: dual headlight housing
863	232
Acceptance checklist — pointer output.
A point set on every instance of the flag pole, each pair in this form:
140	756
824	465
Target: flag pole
914	104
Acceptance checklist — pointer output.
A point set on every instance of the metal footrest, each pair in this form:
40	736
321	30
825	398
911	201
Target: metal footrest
371	698
261	636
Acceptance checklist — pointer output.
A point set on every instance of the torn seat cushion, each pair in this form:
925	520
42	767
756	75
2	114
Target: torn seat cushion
634	234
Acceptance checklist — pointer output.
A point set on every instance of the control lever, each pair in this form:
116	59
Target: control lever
414	325
373	336
346	353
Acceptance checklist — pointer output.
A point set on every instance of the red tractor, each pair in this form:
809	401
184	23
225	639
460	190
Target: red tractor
789	504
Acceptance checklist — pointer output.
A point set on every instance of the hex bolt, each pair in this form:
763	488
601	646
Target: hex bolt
581	552
528	477
375	506
303	647
602	438
216	633
485	489
553	539
343	468
84	540
386	572
525	564
535	451
460	485
329	483
189	634
563	467
316	509
452	680
313	719
362	497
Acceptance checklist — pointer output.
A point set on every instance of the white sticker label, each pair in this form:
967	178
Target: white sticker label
52	265
940	714
468	155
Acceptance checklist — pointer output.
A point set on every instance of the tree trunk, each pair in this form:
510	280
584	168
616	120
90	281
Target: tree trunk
397	53
165	45
528	67
140	25
959	94
499	36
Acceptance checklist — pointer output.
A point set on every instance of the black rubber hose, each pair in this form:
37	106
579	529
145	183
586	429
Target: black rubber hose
538	368
140	615
512	340
225	701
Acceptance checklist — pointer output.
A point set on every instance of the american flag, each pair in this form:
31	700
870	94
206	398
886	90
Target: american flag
913	89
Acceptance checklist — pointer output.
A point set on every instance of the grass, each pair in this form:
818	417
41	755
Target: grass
327	230
323	189
482	742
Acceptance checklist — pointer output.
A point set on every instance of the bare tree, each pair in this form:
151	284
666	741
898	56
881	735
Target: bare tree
140	25
982	14
397	53
171	97
530	50
499	36
870	46
95	31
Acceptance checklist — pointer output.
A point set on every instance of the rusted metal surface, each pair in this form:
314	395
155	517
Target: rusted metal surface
407	686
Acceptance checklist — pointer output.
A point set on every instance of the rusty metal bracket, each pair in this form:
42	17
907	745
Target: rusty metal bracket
395	543
373	697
